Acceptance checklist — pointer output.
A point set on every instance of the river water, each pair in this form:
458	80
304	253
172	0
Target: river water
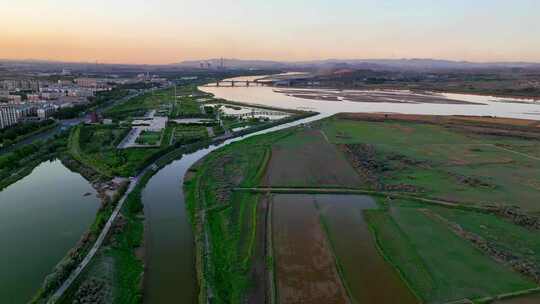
42	216
171	275
492	106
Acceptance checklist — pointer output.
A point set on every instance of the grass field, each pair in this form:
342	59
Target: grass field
138	106
189	133
446	162
149	138
95	146
501	235
437	264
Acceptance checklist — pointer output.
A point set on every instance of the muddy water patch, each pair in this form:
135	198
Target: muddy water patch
305	267
369	278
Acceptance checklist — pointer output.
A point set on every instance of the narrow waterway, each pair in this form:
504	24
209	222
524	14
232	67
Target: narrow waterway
42	216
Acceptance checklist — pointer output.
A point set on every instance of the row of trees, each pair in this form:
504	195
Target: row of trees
10	135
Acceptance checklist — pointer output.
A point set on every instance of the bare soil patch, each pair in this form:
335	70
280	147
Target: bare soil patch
313	162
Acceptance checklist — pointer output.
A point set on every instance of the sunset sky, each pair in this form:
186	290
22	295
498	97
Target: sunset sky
167	31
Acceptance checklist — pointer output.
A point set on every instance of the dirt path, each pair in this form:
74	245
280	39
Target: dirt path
360	191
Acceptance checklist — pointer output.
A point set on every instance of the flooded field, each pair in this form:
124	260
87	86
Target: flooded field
42	217
305	267
369	278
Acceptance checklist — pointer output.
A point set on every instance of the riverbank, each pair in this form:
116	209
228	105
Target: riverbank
109	194
48	125
427	171
19	163
130	256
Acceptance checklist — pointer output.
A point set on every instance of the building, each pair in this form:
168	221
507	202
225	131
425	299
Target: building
65	83
46	111
13	114
33	97
8	116
87	82
14	98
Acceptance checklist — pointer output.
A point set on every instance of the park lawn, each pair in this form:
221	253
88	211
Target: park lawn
95	146
185	107
149	138
437	264
157	100
189	133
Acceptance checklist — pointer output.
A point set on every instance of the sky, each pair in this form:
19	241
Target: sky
169	31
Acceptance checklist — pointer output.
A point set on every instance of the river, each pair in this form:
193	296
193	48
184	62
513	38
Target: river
170	275
42	216
492	106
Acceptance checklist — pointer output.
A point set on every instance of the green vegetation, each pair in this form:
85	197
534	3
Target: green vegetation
163	101
149	138
115	273
62	271
17	164
439	265
22	131
426	175
189	133
466	164
230	216
96	147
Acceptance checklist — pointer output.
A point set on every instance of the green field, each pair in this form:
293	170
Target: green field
159	100
95	146
440	254
189	133
149	138
439	265
445	162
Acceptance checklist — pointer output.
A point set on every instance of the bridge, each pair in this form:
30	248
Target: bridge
258	113
238	83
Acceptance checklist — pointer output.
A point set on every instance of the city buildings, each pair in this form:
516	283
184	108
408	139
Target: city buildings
46	111
13	114
8	116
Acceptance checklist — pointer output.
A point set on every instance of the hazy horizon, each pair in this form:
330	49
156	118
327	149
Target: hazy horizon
167	31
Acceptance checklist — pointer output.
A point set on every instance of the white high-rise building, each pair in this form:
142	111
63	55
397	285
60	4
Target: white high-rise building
8	116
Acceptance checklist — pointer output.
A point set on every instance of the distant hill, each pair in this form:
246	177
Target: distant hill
406	64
